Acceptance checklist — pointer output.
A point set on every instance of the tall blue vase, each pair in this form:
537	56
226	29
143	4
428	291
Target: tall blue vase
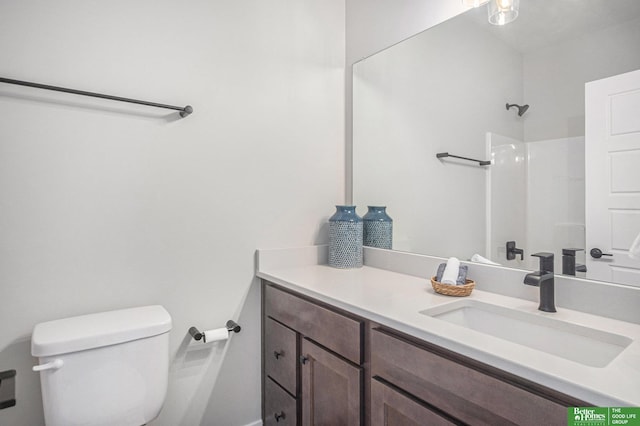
345	238
378	228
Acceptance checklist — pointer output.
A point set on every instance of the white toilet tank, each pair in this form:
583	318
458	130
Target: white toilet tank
105	369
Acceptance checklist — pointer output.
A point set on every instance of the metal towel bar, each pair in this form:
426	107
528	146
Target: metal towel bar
184	111
446	154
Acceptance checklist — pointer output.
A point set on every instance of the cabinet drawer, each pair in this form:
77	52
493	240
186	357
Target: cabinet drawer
280	354
332	330
461	391
279	406
391	408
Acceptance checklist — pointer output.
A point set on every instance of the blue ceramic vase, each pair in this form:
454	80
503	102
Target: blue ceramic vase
345	238
378	228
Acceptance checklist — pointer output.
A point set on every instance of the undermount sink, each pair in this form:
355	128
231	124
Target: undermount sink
574	342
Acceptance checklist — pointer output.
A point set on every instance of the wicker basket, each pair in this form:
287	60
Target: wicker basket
453	290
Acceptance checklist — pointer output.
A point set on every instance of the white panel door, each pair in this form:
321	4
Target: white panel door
612	175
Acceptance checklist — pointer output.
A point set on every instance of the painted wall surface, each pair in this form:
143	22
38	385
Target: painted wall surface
420	98
107	205
374	25
554	78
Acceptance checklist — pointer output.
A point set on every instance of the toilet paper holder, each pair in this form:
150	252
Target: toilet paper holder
198	335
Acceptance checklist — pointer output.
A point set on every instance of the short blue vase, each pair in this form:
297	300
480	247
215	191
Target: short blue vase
345	238
378	228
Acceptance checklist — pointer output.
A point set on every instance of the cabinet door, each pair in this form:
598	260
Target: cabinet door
391	408
331	388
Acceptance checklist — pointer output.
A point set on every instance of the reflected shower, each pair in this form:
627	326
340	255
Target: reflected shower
521	109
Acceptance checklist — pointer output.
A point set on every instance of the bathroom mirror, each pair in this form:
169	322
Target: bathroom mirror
446	90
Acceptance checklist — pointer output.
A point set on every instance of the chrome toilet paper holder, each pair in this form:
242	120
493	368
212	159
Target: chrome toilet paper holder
231	325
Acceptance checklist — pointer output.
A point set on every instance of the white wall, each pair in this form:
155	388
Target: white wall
107	205
415	100
554	78
374	25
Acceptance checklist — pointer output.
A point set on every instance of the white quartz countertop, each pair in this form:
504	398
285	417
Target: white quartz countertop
395	300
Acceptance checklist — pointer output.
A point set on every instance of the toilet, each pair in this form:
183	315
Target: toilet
106	369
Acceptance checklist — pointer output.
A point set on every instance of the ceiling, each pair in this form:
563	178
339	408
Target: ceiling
542	22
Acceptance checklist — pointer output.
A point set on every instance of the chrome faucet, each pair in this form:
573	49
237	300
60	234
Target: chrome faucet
544	279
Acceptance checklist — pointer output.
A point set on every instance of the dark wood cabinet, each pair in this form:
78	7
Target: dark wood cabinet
325	366
337	331
280	355
331	388
390	407
280	408
465	390
312	361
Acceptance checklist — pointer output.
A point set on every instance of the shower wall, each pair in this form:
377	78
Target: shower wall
507	190
536	193
555	199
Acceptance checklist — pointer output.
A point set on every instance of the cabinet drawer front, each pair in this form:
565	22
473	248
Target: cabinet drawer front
280	354
391	408
279	406
463	392
335	331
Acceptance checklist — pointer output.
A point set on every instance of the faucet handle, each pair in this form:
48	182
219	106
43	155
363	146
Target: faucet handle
512	250
546	261
570	251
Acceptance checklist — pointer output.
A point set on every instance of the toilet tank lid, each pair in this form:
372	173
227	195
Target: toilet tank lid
96	330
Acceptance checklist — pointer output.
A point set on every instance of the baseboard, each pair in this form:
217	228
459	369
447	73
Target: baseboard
256	423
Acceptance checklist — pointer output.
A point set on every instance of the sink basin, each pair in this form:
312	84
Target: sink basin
574	342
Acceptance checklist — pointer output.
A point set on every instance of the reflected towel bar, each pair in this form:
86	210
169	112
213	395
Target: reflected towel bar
184	111
446	154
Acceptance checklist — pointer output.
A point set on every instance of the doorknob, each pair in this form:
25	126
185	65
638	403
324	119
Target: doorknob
596	253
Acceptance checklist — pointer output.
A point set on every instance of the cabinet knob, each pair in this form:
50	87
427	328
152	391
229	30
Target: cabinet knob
303	359
280	416
278	354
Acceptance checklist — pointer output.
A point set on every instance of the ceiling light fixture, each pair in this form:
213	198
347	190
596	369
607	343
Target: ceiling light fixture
502	12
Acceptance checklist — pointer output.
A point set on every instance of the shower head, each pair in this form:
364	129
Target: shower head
521	108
